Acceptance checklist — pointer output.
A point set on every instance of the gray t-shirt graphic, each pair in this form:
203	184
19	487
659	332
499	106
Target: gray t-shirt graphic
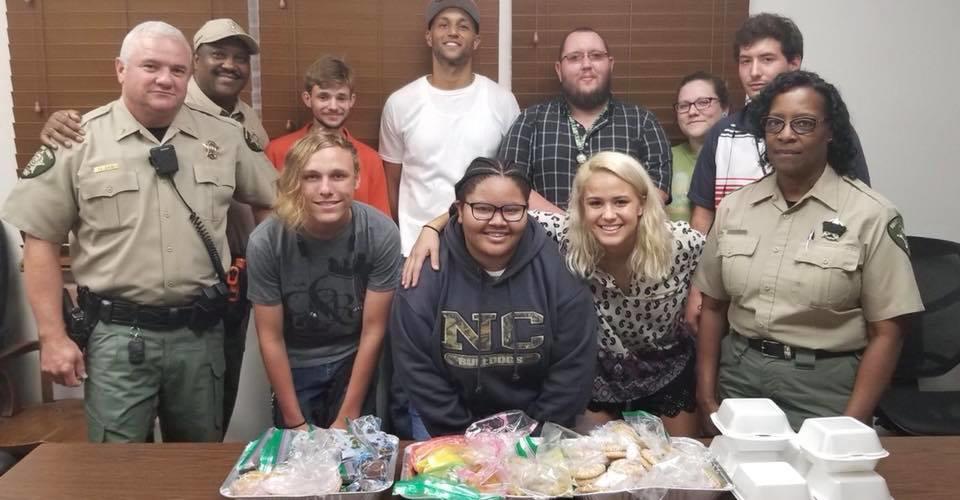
321	283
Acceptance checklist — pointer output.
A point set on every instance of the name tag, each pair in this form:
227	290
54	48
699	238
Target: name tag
105	168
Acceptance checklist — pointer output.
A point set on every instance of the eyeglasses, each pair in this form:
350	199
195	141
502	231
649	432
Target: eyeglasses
577	57
702	104
485	211
800	126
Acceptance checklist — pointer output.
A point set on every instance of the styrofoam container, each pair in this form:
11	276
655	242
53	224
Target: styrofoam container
865	485
796	457
841	444
729	456
770	480
754	424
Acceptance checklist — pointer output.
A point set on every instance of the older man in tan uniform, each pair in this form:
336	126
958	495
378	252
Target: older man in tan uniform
804	282
152	350
221	70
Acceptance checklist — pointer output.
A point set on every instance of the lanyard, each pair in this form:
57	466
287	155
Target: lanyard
581	140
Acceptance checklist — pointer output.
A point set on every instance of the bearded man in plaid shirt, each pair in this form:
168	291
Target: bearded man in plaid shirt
551	139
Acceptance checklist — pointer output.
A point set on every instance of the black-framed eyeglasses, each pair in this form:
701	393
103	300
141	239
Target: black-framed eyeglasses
800	126
702	104
486	211
595	56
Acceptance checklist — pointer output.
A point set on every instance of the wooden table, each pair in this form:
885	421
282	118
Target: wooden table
926	468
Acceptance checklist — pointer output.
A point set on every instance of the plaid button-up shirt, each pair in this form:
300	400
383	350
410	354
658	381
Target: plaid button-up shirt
540	141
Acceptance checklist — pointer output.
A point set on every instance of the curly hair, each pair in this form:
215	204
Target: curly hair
765	25
842	149
719	86
650	258
290	207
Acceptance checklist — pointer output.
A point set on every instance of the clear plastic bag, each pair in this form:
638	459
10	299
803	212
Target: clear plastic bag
316	462
688	464
288	462
650	430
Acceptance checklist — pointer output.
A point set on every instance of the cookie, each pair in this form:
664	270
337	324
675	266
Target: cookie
648	455
614	451
588	471
586	487
627	467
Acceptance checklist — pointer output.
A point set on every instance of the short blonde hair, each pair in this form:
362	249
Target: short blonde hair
650	258
290	205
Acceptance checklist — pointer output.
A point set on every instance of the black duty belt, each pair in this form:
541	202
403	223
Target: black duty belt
122	312
774	349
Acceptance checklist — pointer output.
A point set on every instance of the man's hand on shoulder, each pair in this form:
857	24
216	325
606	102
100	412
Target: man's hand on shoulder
62	129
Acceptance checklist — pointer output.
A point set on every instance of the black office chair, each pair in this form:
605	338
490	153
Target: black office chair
931	347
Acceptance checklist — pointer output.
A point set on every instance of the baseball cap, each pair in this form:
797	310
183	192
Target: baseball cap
468	6
215	30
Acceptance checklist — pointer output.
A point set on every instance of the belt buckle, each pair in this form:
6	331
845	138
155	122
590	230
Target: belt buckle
784	351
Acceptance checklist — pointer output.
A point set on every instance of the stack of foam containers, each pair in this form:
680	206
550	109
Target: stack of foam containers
754	447
843	453
830	458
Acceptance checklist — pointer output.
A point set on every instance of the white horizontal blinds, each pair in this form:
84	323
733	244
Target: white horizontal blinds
62	52
383	40
654	43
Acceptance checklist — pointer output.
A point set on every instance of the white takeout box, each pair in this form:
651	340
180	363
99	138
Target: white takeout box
753	424
769	481
841	444
866	485
729	456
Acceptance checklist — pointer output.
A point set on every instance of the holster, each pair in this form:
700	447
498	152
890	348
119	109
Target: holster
210	307
78	324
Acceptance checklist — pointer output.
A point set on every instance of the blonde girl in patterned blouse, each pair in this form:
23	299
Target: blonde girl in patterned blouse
639	266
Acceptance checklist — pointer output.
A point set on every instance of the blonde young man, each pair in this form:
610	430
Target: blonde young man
322	276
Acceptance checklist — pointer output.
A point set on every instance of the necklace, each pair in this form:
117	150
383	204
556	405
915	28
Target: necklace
580	141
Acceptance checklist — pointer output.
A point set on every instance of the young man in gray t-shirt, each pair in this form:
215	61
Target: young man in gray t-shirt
322	273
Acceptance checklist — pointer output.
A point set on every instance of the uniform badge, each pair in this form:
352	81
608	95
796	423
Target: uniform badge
212	149
833	229
895	230
42	160
253	142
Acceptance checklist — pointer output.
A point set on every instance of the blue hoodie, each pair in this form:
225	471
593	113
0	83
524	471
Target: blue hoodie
467	345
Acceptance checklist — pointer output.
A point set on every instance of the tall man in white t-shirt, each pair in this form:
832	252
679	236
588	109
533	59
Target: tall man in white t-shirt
431	129
434	126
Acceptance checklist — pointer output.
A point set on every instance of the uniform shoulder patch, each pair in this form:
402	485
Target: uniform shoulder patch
895	231
42	160
253	142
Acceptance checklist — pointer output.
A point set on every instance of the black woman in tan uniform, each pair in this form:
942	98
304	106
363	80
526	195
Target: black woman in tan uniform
806	274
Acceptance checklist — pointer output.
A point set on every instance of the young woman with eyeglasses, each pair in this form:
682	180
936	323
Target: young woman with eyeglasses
702	100
502	324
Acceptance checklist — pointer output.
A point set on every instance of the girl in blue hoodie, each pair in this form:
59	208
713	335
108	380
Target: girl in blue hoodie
502	325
